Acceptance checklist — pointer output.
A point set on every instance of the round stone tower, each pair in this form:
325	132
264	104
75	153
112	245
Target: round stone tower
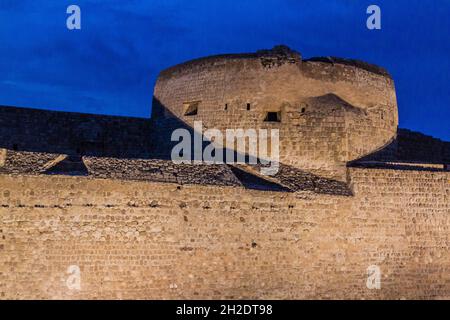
328	110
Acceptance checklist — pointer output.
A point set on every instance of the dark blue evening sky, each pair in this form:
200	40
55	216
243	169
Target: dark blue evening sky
110	66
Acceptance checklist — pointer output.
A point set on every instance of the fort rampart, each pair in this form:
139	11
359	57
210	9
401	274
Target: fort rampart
101	194
162	240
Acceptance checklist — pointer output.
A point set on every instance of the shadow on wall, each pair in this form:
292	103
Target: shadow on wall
288	178
164	122
74	134
60	143
77	135
409	150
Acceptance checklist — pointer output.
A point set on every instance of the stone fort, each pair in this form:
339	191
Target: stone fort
353	191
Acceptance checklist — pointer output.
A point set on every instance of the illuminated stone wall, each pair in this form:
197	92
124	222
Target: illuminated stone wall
331	111
165	240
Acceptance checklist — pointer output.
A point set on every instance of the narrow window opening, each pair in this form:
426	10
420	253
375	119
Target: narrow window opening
191	108
226	106
273	117
248	106
303	110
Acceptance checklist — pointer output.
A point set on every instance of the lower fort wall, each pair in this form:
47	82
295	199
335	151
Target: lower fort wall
160	240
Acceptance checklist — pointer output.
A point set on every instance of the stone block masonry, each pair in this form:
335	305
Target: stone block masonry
328	112
100	194
33	130
140	240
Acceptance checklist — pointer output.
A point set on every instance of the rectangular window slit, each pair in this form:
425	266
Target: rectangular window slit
191	108
273	117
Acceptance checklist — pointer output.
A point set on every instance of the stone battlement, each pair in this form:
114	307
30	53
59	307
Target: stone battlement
275	57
